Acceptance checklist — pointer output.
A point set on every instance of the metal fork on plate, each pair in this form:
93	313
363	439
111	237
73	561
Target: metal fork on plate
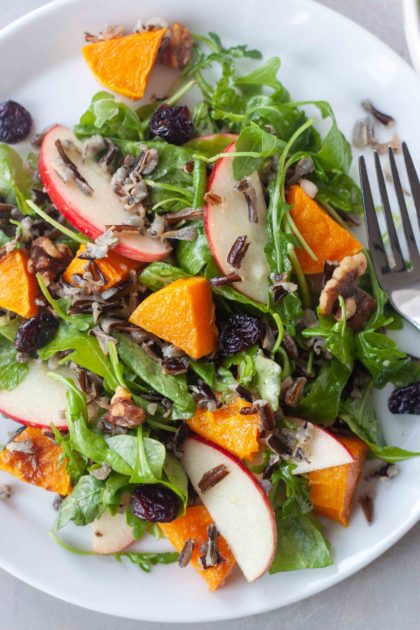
400	281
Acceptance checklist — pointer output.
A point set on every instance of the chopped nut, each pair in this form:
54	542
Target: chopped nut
48	259
123	412
177	49
5	492
109	32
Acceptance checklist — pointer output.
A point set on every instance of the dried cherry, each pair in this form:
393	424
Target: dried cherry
15	122
36	332
172	124
405	399
154	503
241	331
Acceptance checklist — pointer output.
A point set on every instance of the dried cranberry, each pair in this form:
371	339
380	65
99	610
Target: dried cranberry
155	503
172	124
241	331
405	399
15	122
35	333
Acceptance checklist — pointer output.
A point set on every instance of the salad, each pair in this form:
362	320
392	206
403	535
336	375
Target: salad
190	333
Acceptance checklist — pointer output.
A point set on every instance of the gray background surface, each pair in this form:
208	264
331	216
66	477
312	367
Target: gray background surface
383	596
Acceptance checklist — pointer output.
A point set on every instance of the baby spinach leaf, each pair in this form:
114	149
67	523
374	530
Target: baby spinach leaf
267	379
300	545
289	493
392	454
339	339
90	444
359	414
205	370
150	457
192	256
244	362
210	146
291	311
76	463
253	139
173	387
335	153
14	177
83	505
175	476
339	190
159	274
322	400
11	371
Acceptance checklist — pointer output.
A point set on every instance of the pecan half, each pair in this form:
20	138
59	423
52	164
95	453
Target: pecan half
359	304
178	49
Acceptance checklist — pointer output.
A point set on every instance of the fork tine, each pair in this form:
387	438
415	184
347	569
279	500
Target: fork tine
376	244
412	178
408	230
393	238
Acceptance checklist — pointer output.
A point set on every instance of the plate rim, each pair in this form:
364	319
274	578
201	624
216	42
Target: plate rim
55	6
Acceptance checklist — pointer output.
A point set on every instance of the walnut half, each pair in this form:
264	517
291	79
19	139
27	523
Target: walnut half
359	304
177	49
123	412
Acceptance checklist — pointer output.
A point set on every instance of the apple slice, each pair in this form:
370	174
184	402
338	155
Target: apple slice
111	534
90	214
322	450
226	221
238	505
38	400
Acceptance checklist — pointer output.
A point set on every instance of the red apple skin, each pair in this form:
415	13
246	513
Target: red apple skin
37	425
72	214
245	470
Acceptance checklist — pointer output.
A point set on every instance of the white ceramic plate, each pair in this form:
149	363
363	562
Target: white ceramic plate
412	30
324	56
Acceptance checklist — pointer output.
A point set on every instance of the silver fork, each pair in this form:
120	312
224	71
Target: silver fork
401	282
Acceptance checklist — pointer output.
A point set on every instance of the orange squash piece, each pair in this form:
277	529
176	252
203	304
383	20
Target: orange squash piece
183	314
194	525
124	64
114	267
228	428
327	239
18	288
332	489
44	467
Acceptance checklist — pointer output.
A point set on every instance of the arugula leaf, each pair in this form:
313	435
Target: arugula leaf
322	400
244	361
83	505
109	117
267	379
86	352
145	559
173	387
192	256
291	311
340	190
203	125
265	75
289	492
159	274
139	526
11	371
300	545
60	307
339	339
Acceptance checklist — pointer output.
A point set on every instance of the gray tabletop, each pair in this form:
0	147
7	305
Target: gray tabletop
383	596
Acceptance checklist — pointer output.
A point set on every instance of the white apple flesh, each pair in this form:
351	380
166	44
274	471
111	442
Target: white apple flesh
37	401
90	214
111	534
238	505
226	221
322	450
